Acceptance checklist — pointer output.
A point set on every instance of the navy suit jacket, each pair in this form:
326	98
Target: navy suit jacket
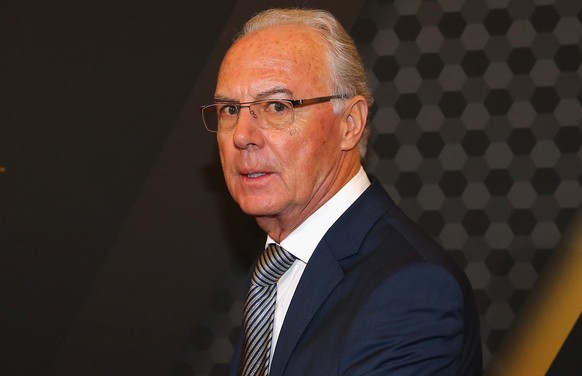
378	297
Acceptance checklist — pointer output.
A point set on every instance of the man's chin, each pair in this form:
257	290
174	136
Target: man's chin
258	212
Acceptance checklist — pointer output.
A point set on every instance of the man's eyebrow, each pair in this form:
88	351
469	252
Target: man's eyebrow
221	99
277	92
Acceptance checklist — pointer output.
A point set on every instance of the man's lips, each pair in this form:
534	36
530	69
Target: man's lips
255	172
253	175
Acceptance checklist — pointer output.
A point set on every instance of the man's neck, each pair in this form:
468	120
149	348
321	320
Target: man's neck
280	226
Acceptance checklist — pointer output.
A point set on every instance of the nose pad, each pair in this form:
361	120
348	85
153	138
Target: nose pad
252	112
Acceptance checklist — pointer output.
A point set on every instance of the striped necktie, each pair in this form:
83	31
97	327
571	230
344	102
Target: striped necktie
260	309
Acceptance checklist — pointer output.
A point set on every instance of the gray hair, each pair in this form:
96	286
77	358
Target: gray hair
346	68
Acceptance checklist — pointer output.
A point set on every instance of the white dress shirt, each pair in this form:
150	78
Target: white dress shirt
304	239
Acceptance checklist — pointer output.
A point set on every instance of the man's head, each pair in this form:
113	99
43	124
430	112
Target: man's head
344	64
282	171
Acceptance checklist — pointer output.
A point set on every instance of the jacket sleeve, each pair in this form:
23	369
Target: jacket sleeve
411	324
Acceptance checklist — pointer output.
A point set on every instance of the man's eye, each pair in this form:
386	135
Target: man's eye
228	110
278	107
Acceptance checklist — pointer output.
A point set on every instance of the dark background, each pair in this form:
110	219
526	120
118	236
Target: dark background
120	249
113	211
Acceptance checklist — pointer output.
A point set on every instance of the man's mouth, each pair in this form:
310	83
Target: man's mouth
255	175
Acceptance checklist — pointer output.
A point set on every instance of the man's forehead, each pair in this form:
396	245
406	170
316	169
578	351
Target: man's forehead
276	60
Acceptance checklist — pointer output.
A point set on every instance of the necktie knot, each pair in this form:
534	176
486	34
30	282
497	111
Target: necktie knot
272	264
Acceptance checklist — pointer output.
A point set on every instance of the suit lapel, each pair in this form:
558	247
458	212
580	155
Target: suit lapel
324	271
320	277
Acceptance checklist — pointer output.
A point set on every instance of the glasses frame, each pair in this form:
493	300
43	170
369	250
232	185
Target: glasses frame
295	103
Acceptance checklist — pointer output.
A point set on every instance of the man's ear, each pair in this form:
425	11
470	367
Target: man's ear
354	120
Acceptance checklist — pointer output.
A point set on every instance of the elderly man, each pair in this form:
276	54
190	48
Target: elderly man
347	285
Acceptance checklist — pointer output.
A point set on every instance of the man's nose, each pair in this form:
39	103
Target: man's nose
247	131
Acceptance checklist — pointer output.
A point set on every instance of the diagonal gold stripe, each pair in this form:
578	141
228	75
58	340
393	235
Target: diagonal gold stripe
549	314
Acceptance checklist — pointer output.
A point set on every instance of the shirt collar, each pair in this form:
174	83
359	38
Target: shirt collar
304	239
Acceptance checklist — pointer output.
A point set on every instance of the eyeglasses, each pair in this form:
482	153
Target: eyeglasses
270	113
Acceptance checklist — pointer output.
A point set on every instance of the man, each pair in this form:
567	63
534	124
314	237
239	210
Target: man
366	292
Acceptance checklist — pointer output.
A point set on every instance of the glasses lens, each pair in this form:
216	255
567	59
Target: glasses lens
210	117
276	114
269	114
221	117
218	117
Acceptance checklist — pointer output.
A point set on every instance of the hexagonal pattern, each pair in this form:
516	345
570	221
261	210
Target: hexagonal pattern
213	339
509	96
476	133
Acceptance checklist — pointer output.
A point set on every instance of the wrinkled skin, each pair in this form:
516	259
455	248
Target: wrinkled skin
282	176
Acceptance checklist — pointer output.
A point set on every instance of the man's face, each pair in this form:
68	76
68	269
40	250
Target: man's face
280	174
